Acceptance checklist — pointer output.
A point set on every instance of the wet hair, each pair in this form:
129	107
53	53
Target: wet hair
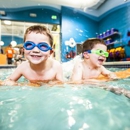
39	29
90	43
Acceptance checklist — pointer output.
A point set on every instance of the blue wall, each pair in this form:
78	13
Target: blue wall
118	18
77	26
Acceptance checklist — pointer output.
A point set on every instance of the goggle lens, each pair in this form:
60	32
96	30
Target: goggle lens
28	46
43	46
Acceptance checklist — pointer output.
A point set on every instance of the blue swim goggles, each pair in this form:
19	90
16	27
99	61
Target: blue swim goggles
42	46
99	52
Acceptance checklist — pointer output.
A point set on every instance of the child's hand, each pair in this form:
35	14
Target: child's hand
9	82
112	76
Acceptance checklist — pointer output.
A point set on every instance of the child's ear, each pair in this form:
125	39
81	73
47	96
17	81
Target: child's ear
51	51
86	55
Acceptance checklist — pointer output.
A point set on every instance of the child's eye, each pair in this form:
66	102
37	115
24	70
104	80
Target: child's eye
100	51
43	47
29	45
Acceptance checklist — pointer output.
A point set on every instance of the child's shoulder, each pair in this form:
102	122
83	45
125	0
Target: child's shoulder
23	65
102	67
78	64
55	62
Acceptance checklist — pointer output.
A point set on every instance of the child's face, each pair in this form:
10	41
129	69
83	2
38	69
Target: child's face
35	55
97	60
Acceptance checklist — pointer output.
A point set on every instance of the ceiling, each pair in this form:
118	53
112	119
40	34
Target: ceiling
55	3
83	5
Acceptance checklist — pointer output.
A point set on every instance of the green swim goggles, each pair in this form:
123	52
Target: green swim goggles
99	52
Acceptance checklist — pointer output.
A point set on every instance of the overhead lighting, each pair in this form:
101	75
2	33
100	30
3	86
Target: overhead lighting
7	22
1	43
92	3
33	15
2	13
13	43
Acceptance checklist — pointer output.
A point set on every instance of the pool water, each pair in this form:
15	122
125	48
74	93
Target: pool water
66	107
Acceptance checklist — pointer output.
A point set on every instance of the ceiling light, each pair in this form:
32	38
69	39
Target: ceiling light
33	15
13	43
1	43
2	13
7	22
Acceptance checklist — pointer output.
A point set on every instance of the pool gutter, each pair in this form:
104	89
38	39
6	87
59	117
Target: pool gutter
118	64
7	66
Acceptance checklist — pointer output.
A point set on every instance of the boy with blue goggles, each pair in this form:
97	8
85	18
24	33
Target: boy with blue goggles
41	46
38	66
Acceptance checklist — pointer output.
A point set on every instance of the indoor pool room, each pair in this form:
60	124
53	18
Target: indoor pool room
64	65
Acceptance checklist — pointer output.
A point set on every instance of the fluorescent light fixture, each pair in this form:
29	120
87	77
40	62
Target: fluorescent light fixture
33	15
2	12
7	22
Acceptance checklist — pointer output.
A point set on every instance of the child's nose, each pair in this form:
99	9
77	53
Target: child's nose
103	56
36	49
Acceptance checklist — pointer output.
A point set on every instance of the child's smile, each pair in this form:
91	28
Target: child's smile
37	57
101	59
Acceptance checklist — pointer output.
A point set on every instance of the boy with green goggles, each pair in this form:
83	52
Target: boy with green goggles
91	67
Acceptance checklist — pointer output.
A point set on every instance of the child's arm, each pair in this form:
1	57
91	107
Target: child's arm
11	80
109	74
77	72
59	75
16	74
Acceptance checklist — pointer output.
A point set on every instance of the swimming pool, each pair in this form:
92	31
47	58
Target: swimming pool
66	107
